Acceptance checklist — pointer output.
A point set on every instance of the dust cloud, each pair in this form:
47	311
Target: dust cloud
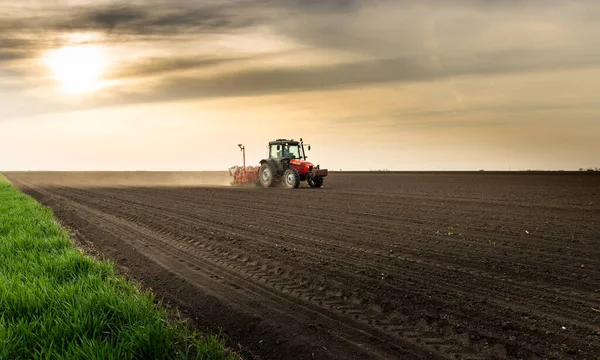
128	178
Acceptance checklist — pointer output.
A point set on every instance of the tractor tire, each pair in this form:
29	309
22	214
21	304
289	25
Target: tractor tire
291	179
316	182
266	176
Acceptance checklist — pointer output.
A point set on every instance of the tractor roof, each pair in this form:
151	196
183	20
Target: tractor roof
284	141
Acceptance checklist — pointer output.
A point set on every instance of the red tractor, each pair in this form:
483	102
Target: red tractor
286	166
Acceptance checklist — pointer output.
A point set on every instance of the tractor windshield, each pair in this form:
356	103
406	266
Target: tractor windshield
292	152
288	151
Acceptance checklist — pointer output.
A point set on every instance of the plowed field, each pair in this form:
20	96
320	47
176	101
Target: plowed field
372	266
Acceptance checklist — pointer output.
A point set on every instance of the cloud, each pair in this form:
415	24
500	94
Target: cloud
168	17
258	82
163	65
109	18
160	21
151	18
401	41
386	28
10	55
377	28
354	75
13	49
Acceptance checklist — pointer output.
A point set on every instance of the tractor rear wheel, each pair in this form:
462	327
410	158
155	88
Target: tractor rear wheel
266	176
316	182
291	179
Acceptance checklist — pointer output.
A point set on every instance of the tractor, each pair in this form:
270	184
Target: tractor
285	166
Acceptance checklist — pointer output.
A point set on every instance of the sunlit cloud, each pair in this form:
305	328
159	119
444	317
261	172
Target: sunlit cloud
79	68
74	38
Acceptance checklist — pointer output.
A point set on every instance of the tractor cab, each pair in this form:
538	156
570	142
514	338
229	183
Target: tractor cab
286	149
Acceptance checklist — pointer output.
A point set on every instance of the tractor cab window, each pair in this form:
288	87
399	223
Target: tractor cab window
291	152
275	153
287	151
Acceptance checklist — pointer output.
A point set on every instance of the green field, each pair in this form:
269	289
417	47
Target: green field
56	302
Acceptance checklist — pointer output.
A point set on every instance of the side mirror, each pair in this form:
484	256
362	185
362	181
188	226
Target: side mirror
308	147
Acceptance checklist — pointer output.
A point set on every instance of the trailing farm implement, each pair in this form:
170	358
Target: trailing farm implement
285	165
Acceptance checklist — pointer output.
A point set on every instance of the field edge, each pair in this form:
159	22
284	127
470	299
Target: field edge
185	341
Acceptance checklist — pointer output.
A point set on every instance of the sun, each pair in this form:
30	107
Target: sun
78	68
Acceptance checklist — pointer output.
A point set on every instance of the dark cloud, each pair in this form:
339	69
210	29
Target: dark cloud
160	20
177	16
163	65
12	43
25	35
109	18
320	6
13	49
10	55
353	75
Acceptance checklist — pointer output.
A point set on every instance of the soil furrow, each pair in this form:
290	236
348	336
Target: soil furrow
452	289
460	266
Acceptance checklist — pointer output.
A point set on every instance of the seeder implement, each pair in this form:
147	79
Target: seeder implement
245	175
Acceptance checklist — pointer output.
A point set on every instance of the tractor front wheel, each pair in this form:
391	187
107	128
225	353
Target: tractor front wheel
266	176
291	179
316	182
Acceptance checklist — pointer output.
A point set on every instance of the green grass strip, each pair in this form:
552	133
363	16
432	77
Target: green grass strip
56	302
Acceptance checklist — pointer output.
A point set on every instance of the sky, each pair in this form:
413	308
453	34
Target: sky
370	84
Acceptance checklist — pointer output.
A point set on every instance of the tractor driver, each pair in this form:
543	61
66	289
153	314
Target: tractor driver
287	153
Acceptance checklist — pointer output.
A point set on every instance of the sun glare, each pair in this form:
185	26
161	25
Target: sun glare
78	68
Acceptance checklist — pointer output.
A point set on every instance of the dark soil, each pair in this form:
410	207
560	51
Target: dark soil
372	266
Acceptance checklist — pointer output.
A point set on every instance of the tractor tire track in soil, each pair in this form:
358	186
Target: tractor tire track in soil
372	266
